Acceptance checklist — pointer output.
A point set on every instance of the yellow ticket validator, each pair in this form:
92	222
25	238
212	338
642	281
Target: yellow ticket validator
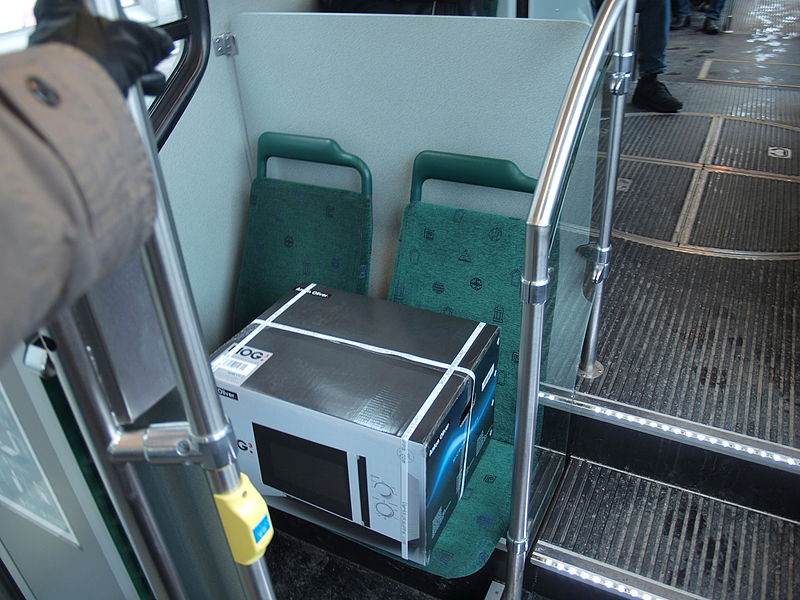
245	518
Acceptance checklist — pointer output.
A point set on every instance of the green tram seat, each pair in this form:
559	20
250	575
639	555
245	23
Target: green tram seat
302	232
468	263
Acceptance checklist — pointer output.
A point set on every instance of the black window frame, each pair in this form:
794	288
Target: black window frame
195	29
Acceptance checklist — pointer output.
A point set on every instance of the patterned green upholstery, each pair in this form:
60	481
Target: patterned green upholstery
480	519
468	264
300	232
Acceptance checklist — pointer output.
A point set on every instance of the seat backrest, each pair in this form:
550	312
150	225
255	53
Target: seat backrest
301	232
467	263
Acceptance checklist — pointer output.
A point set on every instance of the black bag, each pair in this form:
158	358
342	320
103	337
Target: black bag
485	8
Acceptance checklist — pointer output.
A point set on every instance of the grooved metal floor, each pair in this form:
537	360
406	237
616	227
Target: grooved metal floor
748	213
766	18
751	72
744	145
678	538
713	340
673	137
649	198
779	105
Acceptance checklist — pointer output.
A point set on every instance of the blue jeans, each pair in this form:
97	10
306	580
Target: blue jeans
680	8
654	18
714	8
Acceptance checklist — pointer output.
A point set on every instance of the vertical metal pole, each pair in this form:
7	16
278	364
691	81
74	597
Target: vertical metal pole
534	284
87	396
534	294
175	305
589	367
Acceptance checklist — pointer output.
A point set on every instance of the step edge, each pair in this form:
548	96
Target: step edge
603	576
721	441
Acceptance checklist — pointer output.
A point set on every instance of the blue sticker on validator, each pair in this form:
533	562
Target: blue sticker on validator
261	529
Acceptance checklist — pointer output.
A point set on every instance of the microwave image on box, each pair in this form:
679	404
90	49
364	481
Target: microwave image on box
361	415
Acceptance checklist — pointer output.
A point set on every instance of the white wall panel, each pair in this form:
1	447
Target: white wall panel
389	86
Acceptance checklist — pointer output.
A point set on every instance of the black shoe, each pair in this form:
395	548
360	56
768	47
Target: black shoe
710	26
653	95
680	22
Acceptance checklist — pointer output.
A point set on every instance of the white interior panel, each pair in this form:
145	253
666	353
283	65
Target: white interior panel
389	86
385	87
206	163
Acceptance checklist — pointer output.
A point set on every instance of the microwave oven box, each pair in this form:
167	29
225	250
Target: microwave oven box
361	415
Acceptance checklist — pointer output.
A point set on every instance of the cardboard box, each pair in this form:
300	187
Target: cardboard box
361	415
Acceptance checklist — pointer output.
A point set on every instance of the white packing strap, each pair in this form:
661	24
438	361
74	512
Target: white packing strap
466	443
412	426
436	364
447	368
263	324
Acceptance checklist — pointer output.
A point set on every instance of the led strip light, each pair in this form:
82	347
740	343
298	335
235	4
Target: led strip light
701	437
594	579
705	438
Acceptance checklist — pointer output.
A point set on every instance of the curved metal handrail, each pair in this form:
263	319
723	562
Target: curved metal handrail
553	174
534	284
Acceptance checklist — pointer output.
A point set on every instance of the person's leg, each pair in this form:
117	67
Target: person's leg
680	14
654	19
711	24
715	9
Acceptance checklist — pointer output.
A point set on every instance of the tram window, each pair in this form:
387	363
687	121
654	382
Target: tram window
155	13
17	23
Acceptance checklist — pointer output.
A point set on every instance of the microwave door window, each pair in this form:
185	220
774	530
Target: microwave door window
303	469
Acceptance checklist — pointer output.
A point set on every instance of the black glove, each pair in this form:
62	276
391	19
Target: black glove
126	50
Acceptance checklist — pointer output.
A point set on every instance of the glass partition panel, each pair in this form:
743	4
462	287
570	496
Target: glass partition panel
570	296
571	261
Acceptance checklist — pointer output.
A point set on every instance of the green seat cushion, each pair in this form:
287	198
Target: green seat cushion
479	520
298	232
468	264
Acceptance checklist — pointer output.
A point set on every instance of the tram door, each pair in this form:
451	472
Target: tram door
53	540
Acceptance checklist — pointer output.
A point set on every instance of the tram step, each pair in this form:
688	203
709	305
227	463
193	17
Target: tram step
615	534
711	360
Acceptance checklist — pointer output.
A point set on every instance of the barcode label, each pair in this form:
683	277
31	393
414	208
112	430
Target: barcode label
237	366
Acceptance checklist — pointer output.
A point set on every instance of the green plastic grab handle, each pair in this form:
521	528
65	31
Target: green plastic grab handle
474	170
313	149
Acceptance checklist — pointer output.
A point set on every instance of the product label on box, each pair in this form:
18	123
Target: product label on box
236	367
315	293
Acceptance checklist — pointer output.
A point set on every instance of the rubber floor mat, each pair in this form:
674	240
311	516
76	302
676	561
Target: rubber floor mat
740	71
764	18
712	340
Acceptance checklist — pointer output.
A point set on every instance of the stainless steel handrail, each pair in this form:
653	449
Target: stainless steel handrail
209	430
551	180
534	284
589	367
